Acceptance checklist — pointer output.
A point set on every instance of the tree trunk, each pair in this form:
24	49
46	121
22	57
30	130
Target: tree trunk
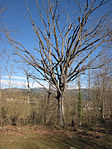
60	112
79	104
28	89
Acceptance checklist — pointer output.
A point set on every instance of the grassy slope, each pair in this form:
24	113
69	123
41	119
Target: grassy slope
41	138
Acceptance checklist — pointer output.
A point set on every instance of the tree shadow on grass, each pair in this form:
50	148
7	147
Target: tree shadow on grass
80	141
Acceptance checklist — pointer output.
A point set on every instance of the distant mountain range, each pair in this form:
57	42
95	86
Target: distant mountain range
68	92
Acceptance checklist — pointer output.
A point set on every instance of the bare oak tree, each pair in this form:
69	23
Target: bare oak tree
63	48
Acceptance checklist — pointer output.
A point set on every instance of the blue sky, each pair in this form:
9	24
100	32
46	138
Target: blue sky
13	19
21	30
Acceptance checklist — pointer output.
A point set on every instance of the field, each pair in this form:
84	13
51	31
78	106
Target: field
40	137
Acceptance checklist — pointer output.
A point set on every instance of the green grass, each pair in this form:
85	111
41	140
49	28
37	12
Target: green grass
33	142
42	138
28	138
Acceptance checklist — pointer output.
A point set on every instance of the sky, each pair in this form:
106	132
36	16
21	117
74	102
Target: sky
13	18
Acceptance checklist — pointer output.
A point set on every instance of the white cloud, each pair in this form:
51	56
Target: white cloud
14	77
18	84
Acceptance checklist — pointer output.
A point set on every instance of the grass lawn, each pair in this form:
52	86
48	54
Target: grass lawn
39	137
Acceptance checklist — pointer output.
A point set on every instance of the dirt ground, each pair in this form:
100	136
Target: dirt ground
40	137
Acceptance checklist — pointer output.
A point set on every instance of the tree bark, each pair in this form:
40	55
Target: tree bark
60	112
79	104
